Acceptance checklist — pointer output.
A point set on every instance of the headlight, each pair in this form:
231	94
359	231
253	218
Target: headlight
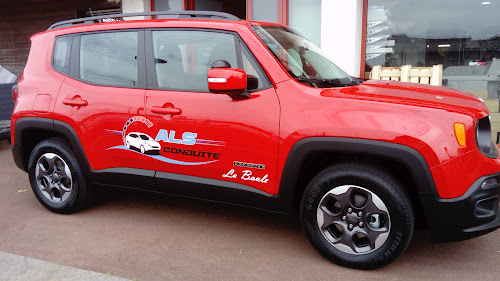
483	138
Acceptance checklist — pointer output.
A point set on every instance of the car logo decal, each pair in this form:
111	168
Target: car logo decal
144	144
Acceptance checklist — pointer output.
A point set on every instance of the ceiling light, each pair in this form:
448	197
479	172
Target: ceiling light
485	3
444	45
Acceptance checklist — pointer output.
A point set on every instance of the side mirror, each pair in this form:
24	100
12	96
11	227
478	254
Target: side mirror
229	81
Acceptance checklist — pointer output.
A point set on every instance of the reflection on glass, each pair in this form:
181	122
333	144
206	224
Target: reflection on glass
301	58
168	5
305	16
183	58
234	7
265	10
429	32
109	58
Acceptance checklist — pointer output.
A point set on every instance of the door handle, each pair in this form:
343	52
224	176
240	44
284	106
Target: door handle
75	101
166	110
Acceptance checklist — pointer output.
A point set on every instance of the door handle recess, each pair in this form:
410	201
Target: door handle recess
76	101
166	110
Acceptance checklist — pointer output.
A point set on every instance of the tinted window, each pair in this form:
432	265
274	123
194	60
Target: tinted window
183	58
144	137
109	58
133	135
62	49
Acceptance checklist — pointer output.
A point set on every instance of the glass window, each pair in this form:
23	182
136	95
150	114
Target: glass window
305	16
62	49
301	58
183	58
109	58
168	5
234	7
265	10
428	32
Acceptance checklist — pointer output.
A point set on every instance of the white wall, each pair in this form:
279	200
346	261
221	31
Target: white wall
341	23
136	6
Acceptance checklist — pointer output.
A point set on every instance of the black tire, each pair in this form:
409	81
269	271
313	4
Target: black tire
348	238
53	177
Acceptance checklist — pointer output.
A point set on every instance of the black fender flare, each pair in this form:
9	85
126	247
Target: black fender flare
50	125
286	201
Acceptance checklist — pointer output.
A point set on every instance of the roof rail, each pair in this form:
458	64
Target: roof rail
181	14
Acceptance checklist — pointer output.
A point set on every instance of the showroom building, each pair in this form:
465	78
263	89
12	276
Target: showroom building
357	34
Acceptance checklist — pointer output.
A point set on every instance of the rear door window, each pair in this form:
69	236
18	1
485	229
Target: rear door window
109	58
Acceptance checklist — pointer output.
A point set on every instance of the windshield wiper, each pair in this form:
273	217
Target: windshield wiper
356	81
330	82
310	80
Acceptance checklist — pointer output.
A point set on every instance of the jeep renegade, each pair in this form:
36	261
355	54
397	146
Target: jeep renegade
252	113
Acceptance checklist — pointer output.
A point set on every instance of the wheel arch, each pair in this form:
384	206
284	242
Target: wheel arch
311	155
29	131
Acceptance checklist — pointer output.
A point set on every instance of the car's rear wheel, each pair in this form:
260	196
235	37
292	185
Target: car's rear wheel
128	145
357	216
56	177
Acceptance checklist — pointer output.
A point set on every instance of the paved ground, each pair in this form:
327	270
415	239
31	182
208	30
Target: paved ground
4	129
16	267
149	237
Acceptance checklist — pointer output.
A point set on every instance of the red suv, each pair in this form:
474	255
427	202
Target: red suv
252	113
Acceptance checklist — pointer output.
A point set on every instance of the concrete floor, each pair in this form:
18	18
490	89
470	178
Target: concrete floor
150	237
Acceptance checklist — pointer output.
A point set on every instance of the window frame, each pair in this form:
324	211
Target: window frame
74	65
152	82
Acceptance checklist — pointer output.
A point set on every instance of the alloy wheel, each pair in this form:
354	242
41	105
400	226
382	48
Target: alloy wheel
353	219
53	177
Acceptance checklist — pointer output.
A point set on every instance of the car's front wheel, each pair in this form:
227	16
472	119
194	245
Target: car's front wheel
357	216
56	177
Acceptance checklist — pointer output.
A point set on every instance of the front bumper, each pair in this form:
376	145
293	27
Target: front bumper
473	214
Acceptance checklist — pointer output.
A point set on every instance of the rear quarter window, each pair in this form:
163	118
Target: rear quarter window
62	50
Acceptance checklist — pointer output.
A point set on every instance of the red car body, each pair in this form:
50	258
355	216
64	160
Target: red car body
409	127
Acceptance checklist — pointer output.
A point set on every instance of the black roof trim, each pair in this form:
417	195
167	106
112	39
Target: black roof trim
181	14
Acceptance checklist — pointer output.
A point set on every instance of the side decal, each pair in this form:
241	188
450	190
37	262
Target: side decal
246	176
165	159
144	144
188	138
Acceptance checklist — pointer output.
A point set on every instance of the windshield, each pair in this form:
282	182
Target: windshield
302	59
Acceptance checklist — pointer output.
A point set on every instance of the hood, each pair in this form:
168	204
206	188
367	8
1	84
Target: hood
413	94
